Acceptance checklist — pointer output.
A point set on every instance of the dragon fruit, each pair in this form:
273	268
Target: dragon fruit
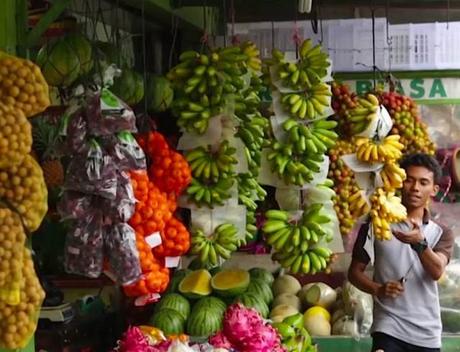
133	340
245	331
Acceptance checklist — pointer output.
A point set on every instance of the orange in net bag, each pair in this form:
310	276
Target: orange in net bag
12	240
18	322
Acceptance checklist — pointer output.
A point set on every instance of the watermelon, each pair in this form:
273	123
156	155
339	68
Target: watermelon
159	93
83	50
204	322
176	302
59	63
250	300
176	279
210	303
196	284
261	289
169	321
263	274
230	282
129	87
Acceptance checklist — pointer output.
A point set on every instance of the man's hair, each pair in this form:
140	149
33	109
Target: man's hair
426	161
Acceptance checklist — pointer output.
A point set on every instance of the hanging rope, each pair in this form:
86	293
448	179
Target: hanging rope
273	35
295	35
374	67
205	37
235	39
174	32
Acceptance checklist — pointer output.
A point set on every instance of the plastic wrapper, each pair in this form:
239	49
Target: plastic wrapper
94	174
107	114
83	253
121	209
126	152
359	305
18	322
75	205
12	240
120	243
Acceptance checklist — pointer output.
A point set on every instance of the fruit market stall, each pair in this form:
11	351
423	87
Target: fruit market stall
209	203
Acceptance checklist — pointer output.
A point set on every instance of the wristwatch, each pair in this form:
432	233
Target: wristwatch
420	247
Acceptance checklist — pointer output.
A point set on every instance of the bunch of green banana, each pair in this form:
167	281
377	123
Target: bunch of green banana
310	103
296	242
294	336
365	112
293	168
250	191
202	82
313	61
317	137
210	194
251	228
219	245
208	165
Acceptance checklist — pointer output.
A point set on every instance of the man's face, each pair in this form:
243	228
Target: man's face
418	187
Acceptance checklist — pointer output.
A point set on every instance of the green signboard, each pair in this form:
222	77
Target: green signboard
423	90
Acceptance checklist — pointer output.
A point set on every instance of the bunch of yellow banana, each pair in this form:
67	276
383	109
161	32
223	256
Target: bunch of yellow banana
216	247
371	151
315	138
386	209
208	165
253	54
358	205
364	113
392	176
295	241
310	104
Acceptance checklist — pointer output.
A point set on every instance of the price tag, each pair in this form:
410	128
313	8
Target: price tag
153	240
147	299
172	262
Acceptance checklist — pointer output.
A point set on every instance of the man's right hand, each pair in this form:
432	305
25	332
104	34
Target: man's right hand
390	289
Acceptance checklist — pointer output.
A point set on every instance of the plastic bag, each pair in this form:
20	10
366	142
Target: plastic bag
359	305
106	114
75	205
123	206
94	174
126	152
11	256
75	130
120	244
18	322
83	253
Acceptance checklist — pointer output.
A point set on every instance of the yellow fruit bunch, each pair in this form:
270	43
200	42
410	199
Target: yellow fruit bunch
23	186
15	136
386	209
253	54
371	151
22	85
18	322
392	176
358	204
12	239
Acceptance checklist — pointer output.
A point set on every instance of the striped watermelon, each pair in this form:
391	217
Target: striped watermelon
176	302
169	321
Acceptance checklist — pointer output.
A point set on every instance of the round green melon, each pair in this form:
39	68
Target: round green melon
261	289
230	282
129	87
159	93
82	48
169	321
262	274
210	303
59	63
204	322
176	279
176	302
250	300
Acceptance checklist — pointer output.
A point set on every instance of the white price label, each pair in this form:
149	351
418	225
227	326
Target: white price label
172	262
153	240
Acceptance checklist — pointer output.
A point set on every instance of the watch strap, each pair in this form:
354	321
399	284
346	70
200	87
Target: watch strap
420	246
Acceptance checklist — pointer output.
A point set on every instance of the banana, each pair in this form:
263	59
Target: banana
277	215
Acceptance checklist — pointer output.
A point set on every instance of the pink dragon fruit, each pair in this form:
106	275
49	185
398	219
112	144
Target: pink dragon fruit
133	340
219	340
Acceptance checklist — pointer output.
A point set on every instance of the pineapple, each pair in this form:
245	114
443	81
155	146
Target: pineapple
46	142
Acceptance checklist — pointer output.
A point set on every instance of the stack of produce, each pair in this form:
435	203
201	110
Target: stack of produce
296	155
196	301
156	192
23	199
102	151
